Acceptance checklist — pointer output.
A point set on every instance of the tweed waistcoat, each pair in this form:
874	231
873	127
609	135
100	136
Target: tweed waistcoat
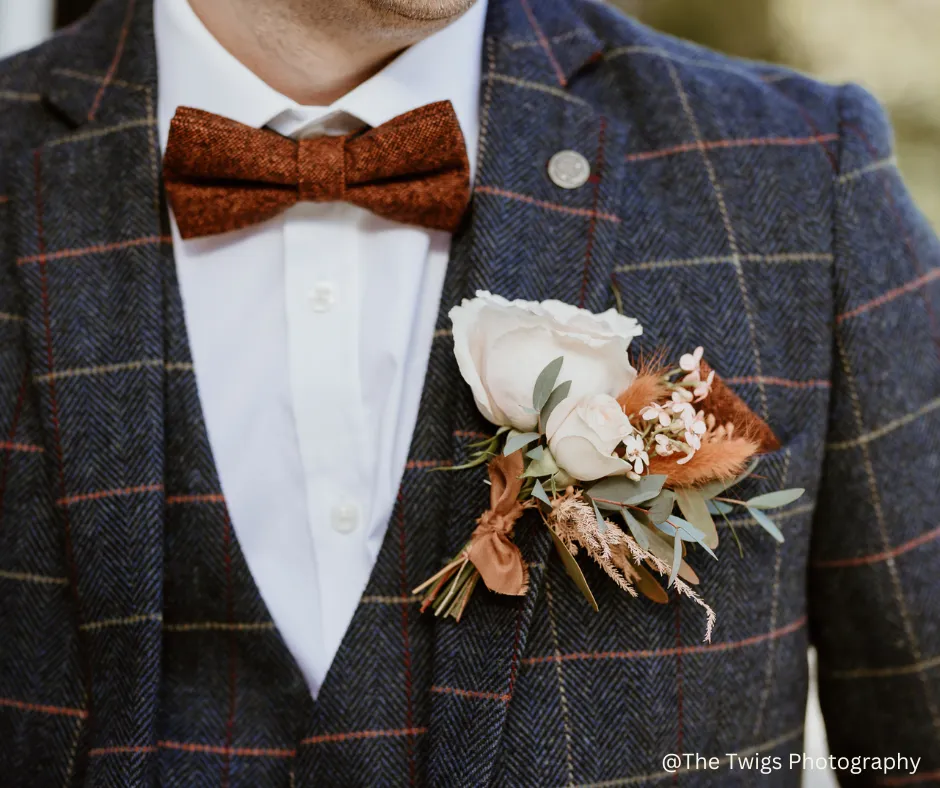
734	205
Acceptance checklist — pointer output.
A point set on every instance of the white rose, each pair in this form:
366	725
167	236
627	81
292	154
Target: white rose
502	347
582	435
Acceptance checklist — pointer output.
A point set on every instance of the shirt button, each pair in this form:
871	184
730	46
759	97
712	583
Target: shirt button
321	297
345	518
569	169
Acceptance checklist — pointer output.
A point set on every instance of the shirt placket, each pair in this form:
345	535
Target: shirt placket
323	315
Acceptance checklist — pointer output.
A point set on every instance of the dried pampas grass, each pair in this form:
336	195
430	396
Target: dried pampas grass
648	386
645	389
720	459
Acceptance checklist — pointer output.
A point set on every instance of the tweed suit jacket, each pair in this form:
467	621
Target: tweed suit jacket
735	205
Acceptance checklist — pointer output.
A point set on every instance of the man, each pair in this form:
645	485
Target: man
220	414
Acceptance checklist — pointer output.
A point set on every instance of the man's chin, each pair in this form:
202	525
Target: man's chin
422	10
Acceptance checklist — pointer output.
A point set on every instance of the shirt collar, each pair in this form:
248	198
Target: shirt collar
195	70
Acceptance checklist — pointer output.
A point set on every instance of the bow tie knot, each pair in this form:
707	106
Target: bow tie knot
321	169
221	175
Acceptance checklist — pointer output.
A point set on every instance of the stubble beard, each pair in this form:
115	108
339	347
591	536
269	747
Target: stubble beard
420	10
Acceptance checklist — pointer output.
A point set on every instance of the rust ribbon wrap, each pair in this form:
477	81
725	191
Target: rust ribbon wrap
491	550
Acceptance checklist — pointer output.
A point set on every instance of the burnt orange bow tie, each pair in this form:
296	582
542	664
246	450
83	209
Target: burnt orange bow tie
221	175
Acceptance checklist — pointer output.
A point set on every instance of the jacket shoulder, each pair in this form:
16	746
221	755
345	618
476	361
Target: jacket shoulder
23	82
731	97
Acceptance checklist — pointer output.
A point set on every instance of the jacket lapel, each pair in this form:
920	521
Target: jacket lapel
92	259
527	238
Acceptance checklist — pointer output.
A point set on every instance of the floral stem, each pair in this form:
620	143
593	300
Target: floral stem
460	600
432	594
619	504
447	570
455	586
734	533
471	584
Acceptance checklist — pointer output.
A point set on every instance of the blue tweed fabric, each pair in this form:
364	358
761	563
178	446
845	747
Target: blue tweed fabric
734	205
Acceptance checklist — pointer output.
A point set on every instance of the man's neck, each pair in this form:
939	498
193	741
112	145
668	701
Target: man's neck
314	51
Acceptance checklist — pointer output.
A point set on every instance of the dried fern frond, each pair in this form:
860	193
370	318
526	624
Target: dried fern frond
574	522
681	588
615	551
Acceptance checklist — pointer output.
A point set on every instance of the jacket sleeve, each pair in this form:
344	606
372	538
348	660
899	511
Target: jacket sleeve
874	576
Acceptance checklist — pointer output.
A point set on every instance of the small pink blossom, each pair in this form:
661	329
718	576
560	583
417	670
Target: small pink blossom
636	453
656	411
663	446
703	387
682	405
697	424
690	361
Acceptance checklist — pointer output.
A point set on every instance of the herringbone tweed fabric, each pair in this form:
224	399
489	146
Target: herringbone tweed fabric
735	205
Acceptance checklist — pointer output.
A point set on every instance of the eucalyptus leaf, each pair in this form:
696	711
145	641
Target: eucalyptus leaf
693	505
688	533
647	585
719	507
639	531
773	500
613	488
536	453
538	491
545	383
573	570
557	395
626	491
601	522
648	488
545	466
766	523
662	548
518	440
717	488
478	459
661	506
618	297
676	560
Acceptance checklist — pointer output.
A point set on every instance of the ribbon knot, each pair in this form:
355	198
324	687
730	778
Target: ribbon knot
498	560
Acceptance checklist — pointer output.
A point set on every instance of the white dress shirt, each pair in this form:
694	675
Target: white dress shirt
310	333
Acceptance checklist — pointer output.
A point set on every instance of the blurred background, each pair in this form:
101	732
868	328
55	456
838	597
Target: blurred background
891	47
